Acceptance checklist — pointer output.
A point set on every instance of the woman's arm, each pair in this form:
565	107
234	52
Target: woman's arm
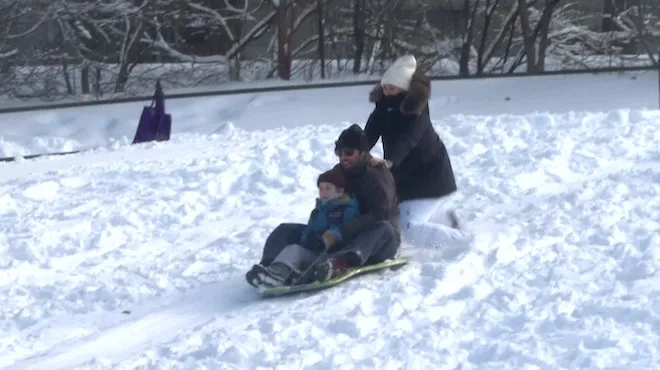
373	129
409	140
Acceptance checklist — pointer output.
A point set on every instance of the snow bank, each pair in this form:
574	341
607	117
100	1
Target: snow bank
114	126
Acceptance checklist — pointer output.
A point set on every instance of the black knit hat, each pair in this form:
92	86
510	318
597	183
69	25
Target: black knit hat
353	138
333	176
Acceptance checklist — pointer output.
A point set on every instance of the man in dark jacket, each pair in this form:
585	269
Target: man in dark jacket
374	235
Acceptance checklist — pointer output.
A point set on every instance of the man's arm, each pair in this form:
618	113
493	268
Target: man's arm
378	195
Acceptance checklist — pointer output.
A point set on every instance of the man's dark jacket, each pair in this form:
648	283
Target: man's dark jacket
375	191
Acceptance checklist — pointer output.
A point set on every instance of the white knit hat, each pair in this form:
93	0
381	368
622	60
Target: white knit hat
400	72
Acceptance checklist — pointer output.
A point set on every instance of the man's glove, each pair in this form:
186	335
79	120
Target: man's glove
331	237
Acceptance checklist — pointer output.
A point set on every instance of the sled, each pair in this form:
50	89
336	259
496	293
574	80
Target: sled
352	273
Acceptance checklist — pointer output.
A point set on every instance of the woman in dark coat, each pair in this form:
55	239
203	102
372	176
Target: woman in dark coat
414	153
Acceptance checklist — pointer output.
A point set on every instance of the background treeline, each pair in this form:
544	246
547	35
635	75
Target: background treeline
52	49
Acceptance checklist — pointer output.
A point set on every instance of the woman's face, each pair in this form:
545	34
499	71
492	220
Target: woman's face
390	90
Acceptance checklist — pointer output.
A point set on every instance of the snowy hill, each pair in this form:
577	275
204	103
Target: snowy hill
133	257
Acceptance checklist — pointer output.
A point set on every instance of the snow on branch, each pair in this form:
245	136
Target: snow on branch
160	43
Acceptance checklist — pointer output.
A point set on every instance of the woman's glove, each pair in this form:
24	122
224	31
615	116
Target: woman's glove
374	162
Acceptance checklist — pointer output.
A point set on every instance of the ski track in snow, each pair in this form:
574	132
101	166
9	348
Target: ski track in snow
562	273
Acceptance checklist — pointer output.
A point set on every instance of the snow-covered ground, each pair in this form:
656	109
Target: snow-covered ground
114	125
133	257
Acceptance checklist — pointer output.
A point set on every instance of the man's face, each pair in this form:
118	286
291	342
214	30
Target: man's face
348	157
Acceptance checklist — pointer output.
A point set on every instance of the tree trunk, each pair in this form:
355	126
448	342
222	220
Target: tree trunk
468	36
528	37
130	50
609	12
358	34
67	76
97	83
482	61
284	26
84	78
544	30
321	30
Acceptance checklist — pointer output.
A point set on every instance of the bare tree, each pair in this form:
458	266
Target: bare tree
572	41
636	24
107	32
489	33
535	41
105	47
21	21
129	33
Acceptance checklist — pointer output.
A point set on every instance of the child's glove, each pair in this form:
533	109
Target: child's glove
331	237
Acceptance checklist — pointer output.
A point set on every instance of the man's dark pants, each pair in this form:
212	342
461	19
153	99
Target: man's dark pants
373	245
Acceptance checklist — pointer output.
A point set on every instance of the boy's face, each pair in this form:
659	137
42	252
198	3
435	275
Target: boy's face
328	191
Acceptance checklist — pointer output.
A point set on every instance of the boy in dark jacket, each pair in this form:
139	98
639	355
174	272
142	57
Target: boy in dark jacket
333	209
